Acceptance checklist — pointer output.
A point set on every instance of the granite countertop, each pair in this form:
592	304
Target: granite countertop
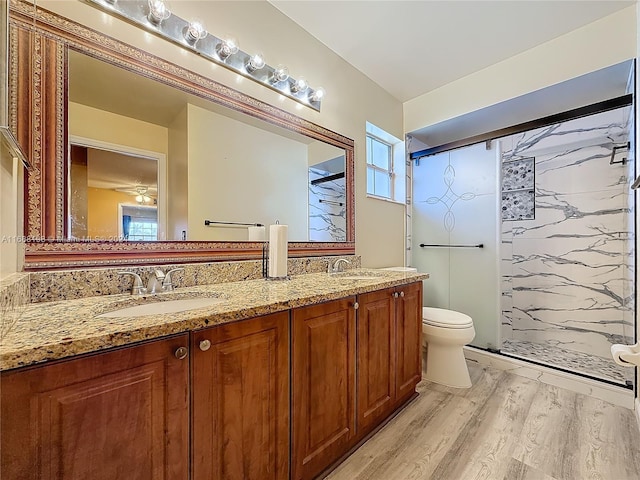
55	330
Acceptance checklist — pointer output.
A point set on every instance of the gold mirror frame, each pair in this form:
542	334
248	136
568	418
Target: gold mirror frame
39	44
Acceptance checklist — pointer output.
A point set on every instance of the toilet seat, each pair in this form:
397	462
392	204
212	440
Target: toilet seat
446	325
440	317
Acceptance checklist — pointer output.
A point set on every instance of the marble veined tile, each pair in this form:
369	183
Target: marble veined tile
327	208
564	291
613	124
571	281
555	317
565	260
580	170
577	215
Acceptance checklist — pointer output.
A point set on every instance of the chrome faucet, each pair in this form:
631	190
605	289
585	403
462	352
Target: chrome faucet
158	282
336	265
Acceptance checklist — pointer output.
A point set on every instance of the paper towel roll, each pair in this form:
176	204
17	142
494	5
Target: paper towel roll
278	251
257	234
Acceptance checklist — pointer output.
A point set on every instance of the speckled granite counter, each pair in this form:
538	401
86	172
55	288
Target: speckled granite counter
62	329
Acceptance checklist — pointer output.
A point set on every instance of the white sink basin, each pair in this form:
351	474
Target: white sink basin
160	308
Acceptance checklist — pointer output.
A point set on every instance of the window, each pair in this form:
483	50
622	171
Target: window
386	165
138	222
143	229
379	167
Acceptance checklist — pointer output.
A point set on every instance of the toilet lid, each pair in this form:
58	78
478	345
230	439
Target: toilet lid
441	317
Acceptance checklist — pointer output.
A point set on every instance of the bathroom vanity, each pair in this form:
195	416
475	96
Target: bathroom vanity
280	380
277	380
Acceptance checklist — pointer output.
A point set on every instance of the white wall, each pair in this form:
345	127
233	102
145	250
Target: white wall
89	122
274	172
352	98
178	176
605	42
319	152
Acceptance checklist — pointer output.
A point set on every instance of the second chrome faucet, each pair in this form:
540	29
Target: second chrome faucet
158	282
337	268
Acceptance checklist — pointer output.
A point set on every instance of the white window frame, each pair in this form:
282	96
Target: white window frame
390	171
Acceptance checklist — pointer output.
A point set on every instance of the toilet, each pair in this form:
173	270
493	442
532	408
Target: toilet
445	332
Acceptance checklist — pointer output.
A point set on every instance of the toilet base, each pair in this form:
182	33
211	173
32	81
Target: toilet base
447	366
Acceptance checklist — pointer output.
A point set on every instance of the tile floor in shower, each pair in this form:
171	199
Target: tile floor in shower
592	365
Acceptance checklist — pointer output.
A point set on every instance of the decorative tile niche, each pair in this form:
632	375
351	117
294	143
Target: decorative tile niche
518	190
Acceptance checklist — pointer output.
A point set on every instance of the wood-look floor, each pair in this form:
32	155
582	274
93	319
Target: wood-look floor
505	427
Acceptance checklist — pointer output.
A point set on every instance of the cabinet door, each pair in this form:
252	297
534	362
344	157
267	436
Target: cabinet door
376	357
120	414
323	385
408	339
240	395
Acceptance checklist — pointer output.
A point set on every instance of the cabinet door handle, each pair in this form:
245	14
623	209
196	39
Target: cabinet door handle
181	353
356	306
395	295
402	294
205	345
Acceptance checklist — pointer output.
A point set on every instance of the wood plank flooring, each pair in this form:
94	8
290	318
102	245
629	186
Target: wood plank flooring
505	427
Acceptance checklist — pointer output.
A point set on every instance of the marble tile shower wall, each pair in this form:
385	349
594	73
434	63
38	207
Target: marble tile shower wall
69	284
327	208
567	275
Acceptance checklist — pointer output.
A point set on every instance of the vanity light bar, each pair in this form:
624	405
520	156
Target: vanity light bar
147	14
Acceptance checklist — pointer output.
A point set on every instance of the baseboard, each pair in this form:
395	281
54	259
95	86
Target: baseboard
609	393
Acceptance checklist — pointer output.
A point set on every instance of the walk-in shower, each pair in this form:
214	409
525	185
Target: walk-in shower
553	210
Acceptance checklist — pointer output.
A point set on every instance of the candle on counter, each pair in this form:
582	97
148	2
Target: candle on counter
278	251
257	234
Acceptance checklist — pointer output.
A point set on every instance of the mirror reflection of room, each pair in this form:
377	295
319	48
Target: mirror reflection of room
211	163
113	196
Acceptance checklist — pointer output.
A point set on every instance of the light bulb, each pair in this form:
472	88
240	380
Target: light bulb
299	86
227	48
195	31
280	74
255	62
158	11
317	95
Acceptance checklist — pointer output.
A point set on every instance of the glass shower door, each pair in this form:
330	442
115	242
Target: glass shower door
455	235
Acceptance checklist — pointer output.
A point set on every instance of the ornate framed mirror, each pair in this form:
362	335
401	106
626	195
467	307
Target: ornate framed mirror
57	73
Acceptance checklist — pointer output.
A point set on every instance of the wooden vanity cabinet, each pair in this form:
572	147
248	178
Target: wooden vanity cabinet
408	322
275	397
118	414
240	400
389	333
376	376
323	393
355	362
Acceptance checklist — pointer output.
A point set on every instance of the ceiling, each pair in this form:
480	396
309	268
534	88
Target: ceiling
412	47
